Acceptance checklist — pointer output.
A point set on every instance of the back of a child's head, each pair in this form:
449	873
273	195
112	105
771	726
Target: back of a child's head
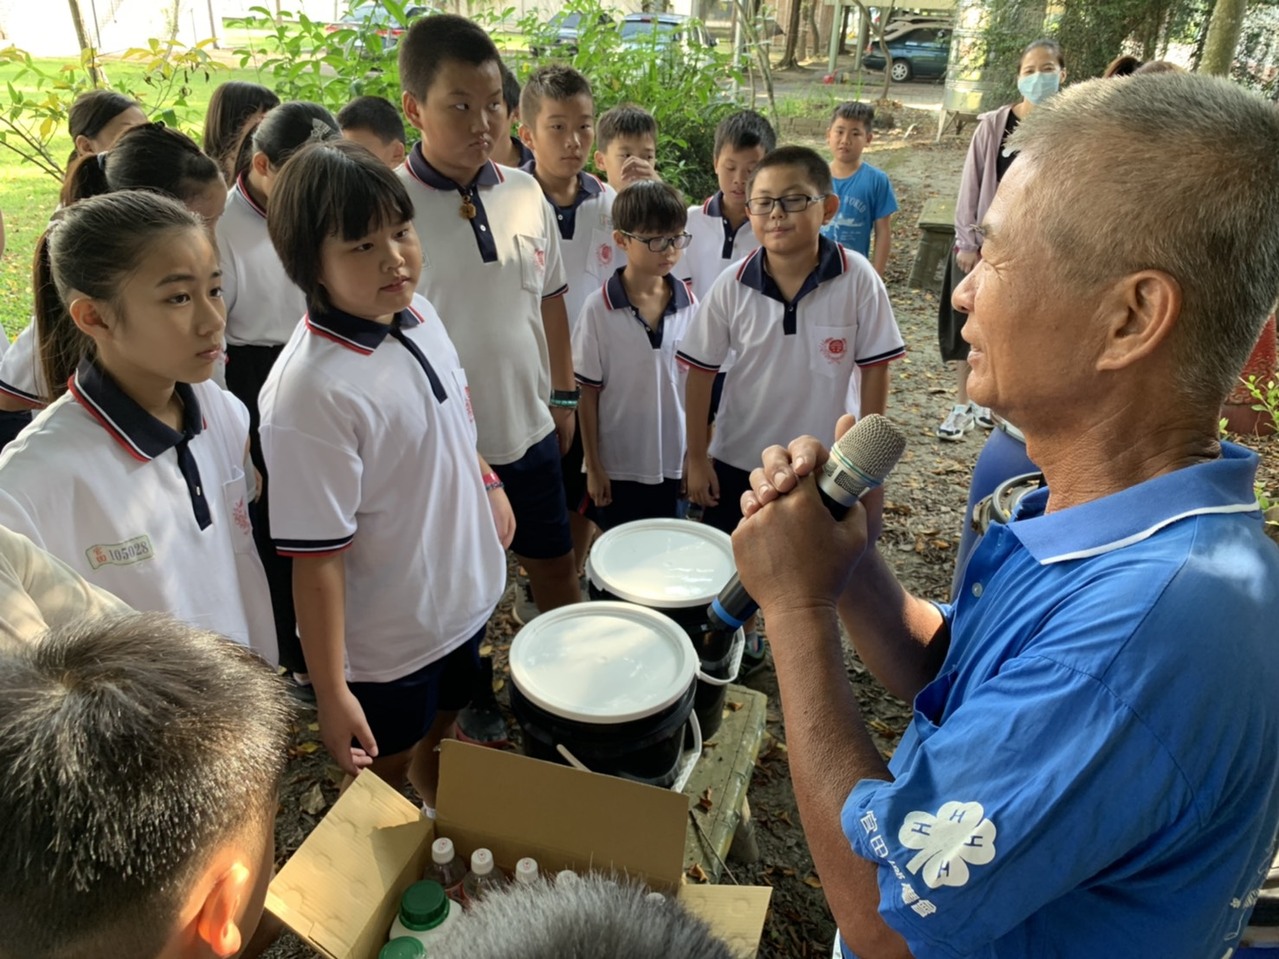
624	120
335	188
285	130
433	41
377	115
744	130
92	248
650	208
808	164
147	157
853	111
510	89
232	105
556	83
134	749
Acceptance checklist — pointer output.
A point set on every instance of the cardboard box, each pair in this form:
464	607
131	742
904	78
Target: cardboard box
341	889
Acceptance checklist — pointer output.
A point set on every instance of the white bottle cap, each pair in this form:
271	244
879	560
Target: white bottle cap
442	851
526	871
481	862
566	876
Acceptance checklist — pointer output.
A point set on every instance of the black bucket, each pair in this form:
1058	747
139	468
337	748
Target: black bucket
712	645
708	701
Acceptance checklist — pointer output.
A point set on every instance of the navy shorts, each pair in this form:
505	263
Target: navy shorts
726	514
634	501
574	478
400	712
535	486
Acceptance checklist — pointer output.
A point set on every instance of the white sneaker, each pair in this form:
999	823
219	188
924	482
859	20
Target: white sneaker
958	422
981	416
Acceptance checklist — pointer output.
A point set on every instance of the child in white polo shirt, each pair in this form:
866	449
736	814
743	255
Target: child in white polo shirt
395	524
811	327
136	476
632	411
492	268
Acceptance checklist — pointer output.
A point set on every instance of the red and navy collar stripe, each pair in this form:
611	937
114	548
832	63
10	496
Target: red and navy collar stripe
142	435
20	394
615	298
714	206
364	336
241	185
489	175
832	262
566	216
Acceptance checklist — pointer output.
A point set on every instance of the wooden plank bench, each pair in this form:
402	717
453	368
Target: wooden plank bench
937	225
717	788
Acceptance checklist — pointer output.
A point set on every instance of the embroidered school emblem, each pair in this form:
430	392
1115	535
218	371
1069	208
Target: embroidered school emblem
136	550
540	256
605	254
833	348
240	516
958	836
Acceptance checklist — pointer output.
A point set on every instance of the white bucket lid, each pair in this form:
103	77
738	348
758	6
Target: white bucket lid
662	563
602	662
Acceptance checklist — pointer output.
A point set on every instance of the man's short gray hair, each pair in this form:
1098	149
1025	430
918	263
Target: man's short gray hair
592	916
1172	172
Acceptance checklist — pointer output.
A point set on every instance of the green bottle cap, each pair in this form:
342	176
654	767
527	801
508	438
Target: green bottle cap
403	947
424	906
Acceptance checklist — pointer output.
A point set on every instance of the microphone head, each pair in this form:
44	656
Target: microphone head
872	447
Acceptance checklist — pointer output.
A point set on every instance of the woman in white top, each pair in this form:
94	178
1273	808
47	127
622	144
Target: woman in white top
136	476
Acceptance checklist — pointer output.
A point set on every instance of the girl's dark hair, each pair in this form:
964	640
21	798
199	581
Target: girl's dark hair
650	206
283	131
1045	43
93	110
233	103
335	188
92	248
1123	65
148	157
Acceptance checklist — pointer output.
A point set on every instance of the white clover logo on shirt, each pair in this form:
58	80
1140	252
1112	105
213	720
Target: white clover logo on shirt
958	836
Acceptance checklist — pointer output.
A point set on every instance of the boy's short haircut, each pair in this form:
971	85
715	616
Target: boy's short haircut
334	188
854	112
815	170
377	115
133	747
510	89
744	130
650	207
554	82
624	120
433	41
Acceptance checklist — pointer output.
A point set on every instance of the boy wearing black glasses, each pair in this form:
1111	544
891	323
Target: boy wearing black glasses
812	331
624	344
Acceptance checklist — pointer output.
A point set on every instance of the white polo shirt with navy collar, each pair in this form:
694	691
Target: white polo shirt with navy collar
368	430
586	239
714	246
156	516
20	374
641	384
487	277
262	303
798	362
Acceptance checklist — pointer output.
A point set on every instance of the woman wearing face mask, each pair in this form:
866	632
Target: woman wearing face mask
1042	70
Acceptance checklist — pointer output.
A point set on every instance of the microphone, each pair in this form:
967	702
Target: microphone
858	463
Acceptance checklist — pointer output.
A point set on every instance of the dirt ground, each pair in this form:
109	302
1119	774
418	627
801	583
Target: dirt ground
925	504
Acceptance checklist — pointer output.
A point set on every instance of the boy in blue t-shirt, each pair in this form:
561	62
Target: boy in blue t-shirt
865	193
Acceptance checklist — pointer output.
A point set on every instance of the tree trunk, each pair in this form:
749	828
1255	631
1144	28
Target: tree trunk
1223	37
813	32
792	36
87	51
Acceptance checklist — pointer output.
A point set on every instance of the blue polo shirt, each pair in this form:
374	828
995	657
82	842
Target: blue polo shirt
1095	769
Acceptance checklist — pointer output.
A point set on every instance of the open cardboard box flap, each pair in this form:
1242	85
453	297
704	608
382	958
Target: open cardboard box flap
341	889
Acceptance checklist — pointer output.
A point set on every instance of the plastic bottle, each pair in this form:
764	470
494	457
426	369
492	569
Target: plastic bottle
526	871
403	947
446	869
483	878
425	913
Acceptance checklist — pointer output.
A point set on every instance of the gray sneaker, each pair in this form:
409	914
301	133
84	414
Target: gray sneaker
981	416
958	421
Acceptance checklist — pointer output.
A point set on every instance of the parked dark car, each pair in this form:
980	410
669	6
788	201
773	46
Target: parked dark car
373	19
922	52
672	31
561	34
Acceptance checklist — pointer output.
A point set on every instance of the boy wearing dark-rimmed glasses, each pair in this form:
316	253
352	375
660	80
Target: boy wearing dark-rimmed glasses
631	413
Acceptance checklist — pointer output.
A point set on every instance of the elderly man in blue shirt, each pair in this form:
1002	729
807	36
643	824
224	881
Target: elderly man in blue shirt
1093	764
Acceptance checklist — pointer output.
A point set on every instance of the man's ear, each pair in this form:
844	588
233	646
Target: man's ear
217	924
1141	312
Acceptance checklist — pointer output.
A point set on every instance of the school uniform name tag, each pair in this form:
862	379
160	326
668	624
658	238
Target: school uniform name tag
136	550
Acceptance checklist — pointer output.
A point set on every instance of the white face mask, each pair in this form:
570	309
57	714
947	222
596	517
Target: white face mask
1038	87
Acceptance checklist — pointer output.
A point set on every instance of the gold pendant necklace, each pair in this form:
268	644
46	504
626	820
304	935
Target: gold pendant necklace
468	211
